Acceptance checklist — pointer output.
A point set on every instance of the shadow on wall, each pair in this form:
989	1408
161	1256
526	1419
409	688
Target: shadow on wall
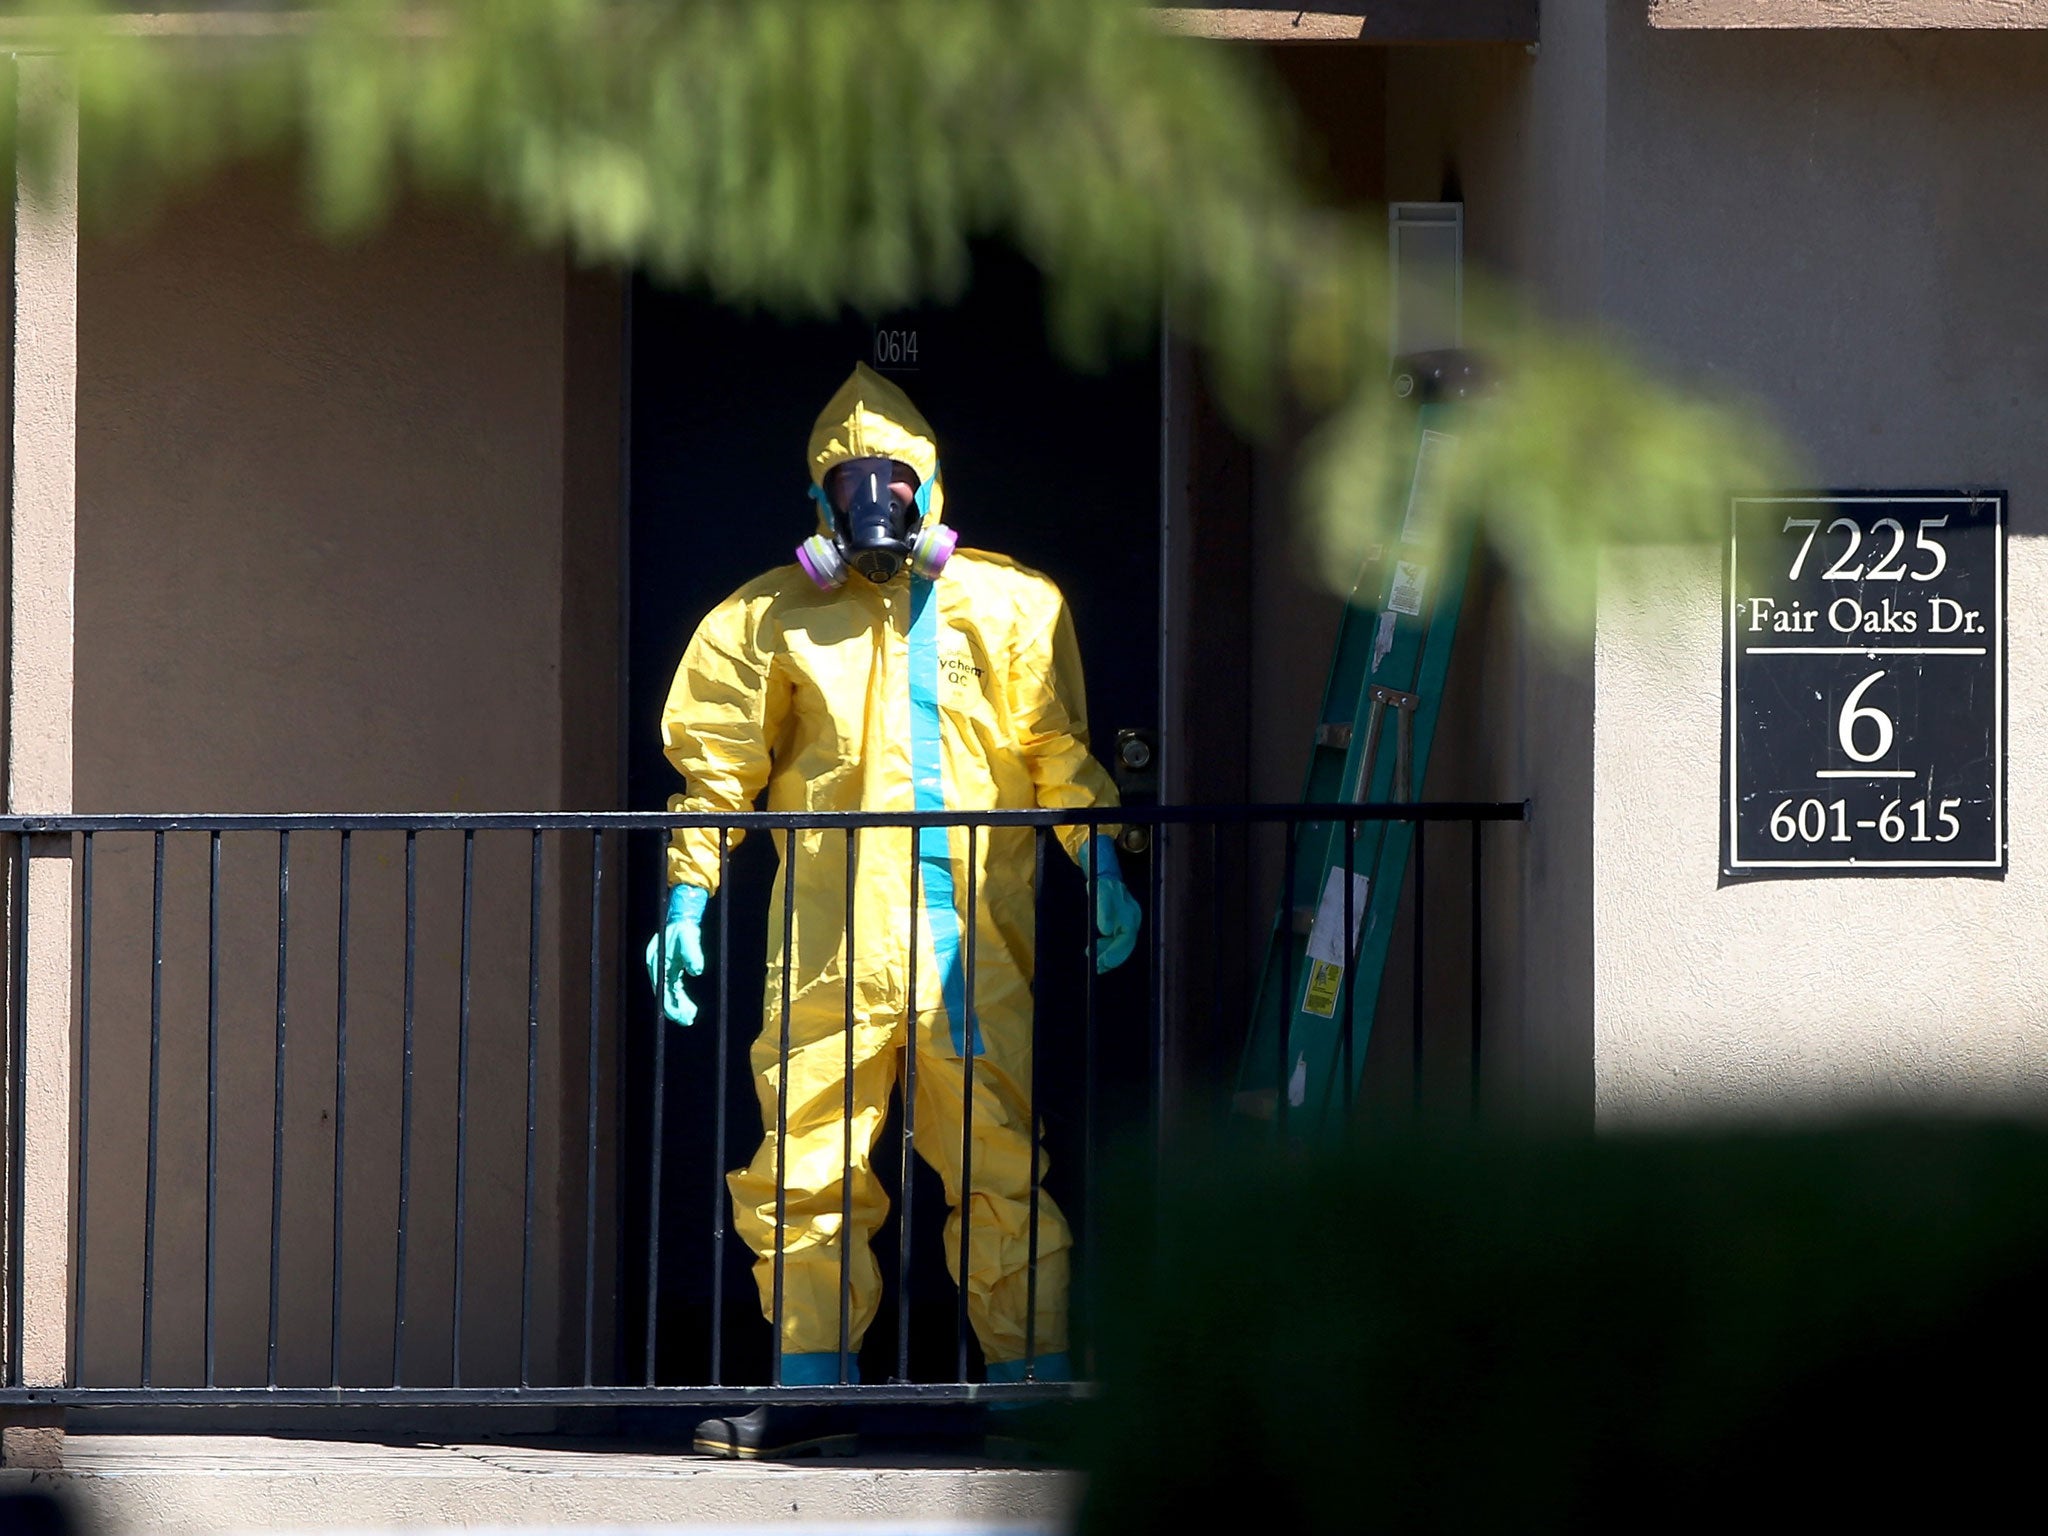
1578	1335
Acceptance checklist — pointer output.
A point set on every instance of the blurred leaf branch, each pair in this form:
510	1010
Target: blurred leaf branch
809	155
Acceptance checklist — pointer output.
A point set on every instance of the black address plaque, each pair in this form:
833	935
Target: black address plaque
1865	688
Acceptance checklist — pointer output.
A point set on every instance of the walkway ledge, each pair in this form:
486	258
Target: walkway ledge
229	1485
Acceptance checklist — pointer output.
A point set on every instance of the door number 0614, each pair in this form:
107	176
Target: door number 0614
1810	821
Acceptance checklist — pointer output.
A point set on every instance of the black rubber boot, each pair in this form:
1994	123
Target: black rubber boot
772	1433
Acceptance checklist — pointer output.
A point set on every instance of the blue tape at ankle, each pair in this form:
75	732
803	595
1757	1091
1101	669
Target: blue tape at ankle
820	1369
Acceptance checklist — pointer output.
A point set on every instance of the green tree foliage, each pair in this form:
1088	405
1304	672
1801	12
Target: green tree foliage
809	155
1549	1333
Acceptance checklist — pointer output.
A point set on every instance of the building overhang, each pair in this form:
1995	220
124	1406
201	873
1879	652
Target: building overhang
1358	21
1786	15
1269	21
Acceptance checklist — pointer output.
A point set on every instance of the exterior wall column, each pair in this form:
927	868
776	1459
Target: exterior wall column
40	559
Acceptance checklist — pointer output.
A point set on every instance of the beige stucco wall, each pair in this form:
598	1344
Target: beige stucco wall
1521	139
41	326
1788	14
1848	226
1794	996
346	542
1853	228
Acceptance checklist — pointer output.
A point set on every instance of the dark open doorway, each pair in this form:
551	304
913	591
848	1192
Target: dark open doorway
1058	470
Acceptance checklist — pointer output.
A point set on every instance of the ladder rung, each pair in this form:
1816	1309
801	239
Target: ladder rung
1334	734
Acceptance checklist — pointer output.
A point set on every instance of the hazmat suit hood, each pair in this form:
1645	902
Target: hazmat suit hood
870	417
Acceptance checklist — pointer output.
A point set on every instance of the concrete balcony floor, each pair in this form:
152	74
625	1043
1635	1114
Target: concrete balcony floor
132	1484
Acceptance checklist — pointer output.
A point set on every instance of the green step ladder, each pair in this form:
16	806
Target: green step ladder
1317	992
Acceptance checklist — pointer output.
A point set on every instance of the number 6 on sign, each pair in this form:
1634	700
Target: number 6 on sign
1853	709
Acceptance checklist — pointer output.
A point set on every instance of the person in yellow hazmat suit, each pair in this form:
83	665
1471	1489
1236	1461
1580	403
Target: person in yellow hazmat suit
886	670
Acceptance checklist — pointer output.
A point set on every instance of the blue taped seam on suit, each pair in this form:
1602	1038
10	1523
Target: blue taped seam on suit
934	844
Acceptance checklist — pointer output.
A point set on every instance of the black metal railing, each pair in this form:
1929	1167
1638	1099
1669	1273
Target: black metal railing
380	1109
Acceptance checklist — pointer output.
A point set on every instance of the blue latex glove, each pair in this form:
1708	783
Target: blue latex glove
678	951
1116	909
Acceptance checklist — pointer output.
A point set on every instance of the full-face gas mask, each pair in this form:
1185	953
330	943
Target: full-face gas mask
875	531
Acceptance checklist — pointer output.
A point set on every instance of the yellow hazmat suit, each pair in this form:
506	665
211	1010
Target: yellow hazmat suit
962	692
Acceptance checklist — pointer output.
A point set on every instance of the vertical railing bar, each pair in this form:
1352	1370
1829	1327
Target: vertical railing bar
1156	914
846	1134
156	1052
14	1032
970	1042
1282	1094
905	1184
1350	952
405	1106
85	1131
462	1107
789	845
590	1070
1031	1125
1415	993
1478	954
17	1072
532	1112
212	1090
1251	976
627	1075
340	1102
657	1125
719	1192
1216	950
284	881
1090	1071
1156	953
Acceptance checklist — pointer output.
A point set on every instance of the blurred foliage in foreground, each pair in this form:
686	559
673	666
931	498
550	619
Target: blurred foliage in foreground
1823	1330
810	155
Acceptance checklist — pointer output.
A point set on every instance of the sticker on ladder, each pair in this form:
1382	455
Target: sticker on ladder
1409	581
1326	948
1319	997
1382	640
1326	937
1297	1082
1422	498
